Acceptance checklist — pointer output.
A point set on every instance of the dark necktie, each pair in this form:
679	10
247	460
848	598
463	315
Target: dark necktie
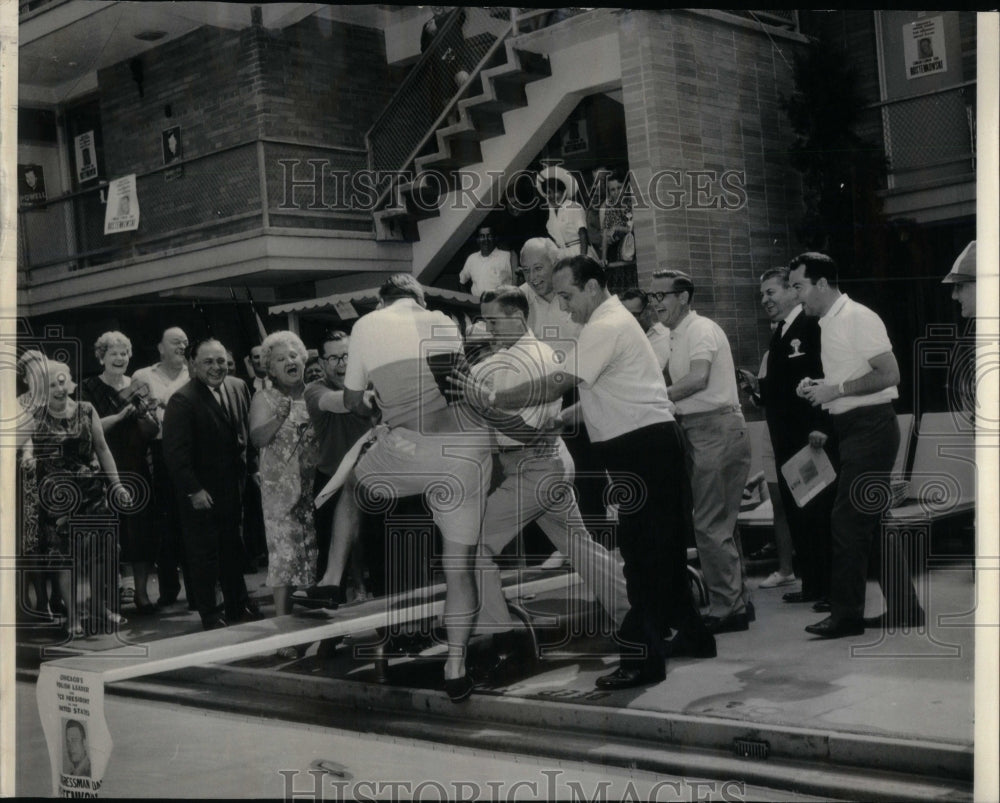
780	330
221	398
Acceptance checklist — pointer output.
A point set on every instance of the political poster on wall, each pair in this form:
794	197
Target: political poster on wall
924	48
30	185
71	707
122	210
86	157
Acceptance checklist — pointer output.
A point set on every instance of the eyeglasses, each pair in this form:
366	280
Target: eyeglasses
336	357
659	295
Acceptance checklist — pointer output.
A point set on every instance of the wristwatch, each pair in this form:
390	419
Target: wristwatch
840	389
491	399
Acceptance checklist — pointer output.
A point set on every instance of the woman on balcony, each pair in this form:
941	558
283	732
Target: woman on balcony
281	429
129	425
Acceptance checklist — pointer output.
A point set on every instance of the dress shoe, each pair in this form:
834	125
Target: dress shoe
328	596
798	596
734	623
684	646
623	678
822	606
751	612
832	628
900	622
459	689
214	624
166	602
145	609
248	613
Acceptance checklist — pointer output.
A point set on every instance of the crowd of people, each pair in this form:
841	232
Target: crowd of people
642	387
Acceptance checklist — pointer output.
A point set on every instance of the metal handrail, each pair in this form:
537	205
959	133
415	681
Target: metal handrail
881	104
449	107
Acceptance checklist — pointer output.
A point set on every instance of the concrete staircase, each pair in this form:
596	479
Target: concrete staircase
523	101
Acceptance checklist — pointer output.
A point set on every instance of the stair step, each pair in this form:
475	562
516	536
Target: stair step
454	155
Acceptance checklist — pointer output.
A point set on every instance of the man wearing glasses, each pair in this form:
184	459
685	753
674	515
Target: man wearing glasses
702	385
637	302
337	429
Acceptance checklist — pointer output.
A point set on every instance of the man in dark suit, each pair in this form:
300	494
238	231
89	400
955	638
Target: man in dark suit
793	354
205	435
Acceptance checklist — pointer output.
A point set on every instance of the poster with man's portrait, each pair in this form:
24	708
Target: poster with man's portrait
76	752
30	185
923	47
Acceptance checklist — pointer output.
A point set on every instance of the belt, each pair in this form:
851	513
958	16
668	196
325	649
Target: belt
544	446
706	413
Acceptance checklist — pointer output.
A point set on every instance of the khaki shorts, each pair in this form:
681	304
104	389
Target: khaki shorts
453	471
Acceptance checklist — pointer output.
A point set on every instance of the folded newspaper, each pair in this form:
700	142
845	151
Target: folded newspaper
807	473
343	470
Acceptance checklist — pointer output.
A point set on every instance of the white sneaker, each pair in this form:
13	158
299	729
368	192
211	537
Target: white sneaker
778	579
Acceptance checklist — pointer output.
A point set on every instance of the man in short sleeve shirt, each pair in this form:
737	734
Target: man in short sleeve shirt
859	385
624	404
406	352
703	388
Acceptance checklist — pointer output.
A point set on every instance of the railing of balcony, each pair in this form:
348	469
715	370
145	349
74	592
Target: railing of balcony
470	40
270	184
930	137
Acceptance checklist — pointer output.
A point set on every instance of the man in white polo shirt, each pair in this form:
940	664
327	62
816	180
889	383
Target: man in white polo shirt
489	267
703	388
638	303
624	404
536	467
860	379
424	444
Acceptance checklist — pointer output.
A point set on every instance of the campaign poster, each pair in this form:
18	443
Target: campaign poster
30	185
923	48
86	157
71	708
122	210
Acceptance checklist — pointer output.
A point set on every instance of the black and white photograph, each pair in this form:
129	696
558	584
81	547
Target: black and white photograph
497	403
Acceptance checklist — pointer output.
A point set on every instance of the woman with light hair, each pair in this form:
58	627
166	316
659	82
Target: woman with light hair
129	425
280	427
65	444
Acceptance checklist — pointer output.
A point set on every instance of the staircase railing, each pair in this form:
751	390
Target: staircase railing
429	95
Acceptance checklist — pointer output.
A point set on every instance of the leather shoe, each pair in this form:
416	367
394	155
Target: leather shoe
822	606
751	612
734	623
459	689
685	646
215	624
629	678
832	628
798	596
248	613
901	622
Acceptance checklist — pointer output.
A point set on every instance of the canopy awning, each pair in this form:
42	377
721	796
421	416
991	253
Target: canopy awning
367	297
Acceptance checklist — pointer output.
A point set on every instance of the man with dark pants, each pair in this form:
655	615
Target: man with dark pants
163	378
860	379
793	355
205	446
337	430
624	403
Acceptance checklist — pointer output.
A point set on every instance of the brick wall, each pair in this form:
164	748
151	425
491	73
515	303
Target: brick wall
701	94
325	81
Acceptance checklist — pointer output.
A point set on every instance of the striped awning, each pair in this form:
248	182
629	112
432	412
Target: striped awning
366	297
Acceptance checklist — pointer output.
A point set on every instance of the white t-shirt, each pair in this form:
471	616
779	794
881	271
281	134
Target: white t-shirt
621	384
659	339
526	360
161	386
487	272
851	335
548	321
390	348
698	338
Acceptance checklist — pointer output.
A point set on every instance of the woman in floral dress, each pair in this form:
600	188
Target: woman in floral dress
281	429
72	461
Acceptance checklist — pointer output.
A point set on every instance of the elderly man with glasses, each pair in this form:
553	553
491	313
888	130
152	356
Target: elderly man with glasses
701	382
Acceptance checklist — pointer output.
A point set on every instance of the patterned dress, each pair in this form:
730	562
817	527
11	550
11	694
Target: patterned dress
68	476
287	470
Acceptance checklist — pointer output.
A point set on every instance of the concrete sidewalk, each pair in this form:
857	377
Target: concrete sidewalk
898	702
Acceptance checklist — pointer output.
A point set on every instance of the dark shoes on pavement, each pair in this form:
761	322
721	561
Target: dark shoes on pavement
459	689
734	623
215	623
629	678
684	645
834	628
